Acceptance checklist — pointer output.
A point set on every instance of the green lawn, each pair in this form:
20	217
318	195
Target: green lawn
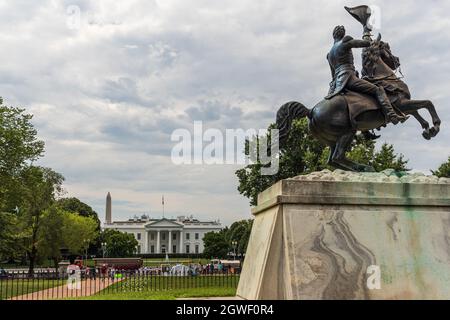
10	288
169	288
160	283
164	295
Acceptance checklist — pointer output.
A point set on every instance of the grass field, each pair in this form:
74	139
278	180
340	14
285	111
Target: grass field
162	283
132	287
169	288
163	295
17	287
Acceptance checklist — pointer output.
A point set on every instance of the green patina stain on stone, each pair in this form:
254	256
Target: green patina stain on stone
386	277
401	173
419	258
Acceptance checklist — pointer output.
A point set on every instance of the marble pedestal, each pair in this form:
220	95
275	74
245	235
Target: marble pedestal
341	235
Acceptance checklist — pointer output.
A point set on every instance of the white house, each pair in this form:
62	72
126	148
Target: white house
181	235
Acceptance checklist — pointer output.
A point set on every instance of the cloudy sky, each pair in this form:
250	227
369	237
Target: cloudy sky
108	90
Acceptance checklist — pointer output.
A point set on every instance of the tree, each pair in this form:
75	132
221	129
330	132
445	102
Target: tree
39	189
119	244
216	244
11	237
79	232
74	205
51	235
19	146
363	151
78	207
61	229
444	170
239	232
303	154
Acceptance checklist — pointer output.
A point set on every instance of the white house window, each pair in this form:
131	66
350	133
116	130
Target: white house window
152	236
152	249
138	236
138	249
196	236
187	248
163	236
196	248
174	236
187	236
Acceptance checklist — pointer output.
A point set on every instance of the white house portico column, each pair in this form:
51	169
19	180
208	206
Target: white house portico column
158	242
181	242
170	242
145	247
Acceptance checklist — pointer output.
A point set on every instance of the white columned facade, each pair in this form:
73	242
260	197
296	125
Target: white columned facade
145	248
170	242
158	242
181	242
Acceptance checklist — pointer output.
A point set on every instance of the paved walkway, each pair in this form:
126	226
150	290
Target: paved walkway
88	287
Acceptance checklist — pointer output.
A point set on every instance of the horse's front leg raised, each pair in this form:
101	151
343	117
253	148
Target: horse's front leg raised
412	106
424	123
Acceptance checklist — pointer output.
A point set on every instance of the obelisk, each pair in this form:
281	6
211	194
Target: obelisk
108	209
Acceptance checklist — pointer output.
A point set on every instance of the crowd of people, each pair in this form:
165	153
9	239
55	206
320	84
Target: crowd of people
112	272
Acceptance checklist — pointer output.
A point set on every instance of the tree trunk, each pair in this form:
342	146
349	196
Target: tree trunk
34	235
56	260
32	255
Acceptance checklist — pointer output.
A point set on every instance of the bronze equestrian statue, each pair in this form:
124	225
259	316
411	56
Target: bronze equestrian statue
358	104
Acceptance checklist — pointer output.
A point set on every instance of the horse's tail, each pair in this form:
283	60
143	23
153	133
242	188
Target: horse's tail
287	113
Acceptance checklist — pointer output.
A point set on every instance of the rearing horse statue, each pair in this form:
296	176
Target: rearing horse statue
336	121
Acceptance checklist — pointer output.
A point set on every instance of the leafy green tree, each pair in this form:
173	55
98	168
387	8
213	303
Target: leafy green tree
444	170
19	146
11	237
51	235
61	229
78	207
216	245
303	154
239	232
74	205
363	151
39	189
79	232
119	244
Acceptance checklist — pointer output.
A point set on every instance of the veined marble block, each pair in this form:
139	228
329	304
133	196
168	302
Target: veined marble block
344	235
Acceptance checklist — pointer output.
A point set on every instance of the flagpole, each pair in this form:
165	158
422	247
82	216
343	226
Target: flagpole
163	205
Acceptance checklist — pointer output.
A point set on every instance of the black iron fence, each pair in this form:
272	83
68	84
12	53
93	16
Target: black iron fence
49	284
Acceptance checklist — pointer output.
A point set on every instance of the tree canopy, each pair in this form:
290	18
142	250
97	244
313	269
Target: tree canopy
19	147
216	245
229	240
74	205
119	244
444	170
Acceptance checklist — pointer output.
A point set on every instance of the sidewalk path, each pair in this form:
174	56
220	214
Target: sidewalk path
88	288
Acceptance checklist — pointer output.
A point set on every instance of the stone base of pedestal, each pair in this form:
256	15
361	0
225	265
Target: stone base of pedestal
341	235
